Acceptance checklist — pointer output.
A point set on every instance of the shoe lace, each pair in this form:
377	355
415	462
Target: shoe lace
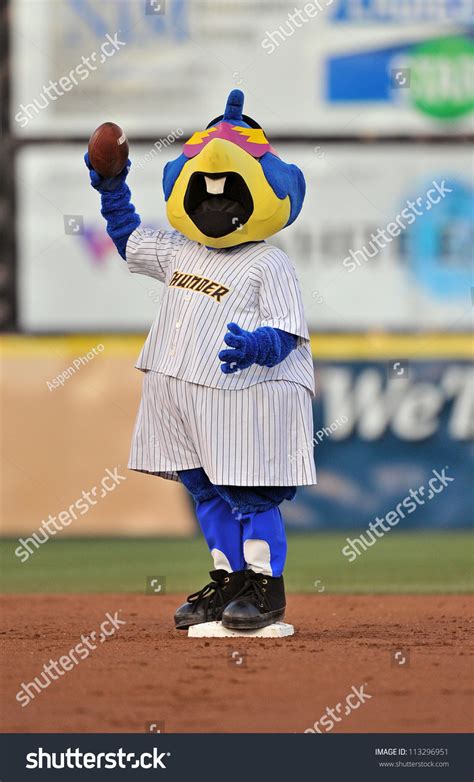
210	592
253	589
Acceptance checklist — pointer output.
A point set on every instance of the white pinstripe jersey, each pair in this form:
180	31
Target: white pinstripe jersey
253	285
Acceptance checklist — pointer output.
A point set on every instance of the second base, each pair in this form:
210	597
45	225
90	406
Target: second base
217	630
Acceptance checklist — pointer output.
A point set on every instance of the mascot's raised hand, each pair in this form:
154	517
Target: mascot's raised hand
117	207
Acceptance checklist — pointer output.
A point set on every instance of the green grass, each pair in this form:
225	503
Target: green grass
413	562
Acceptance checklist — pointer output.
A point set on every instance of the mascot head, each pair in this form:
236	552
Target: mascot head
229	186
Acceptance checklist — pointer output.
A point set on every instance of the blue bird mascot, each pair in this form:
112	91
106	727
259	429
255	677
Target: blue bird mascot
226	406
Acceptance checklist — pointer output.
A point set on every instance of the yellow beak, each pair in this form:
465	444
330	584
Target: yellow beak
221	156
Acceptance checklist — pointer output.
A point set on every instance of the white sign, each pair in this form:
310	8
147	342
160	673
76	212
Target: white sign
324	66
383	240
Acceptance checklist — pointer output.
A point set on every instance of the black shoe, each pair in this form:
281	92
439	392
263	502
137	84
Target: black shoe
207	604
260	602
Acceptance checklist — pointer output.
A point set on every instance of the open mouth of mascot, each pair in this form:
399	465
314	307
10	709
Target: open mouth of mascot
218	203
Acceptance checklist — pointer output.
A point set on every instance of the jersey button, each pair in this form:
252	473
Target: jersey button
187	297
178	324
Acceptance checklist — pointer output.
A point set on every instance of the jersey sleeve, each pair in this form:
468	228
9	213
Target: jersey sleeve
280	302
152	252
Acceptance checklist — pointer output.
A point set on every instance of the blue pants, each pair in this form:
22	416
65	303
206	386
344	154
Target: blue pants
243	526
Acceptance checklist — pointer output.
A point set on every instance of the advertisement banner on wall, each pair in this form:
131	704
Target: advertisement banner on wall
431	77
383	242
393	448
401	11
338	67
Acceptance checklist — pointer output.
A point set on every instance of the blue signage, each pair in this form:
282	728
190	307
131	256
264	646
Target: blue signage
383	442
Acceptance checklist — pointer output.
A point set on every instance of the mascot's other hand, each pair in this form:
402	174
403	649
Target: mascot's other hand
244	349
266	346
103	184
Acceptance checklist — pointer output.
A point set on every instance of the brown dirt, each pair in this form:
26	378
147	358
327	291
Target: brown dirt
147	672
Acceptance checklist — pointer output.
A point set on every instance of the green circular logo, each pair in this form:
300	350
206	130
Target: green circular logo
442	77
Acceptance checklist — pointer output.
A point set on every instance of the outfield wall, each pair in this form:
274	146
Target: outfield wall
380	429
59	442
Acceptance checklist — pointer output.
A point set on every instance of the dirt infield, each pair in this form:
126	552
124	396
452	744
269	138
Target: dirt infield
148	673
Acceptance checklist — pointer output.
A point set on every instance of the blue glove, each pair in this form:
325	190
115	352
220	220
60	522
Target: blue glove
119	212
106	184
265	346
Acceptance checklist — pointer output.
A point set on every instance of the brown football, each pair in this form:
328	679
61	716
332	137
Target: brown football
108	149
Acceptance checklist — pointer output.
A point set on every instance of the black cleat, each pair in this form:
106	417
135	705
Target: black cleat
260	602
208	603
